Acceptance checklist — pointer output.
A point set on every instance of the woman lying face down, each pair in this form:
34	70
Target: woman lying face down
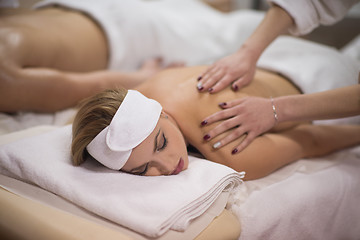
124	130
138	138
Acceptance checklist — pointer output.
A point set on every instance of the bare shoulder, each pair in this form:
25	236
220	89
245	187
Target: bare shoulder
179	73
172	85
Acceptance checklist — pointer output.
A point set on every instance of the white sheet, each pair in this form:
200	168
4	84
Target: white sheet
309	199
186	30
22	120
149	205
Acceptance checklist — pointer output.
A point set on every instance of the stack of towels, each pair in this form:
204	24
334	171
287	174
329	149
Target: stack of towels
148	205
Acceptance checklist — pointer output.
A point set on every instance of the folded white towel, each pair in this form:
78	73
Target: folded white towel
148	205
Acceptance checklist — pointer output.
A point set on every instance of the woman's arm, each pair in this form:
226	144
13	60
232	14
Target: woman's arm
337	103
270	152
257	115
52	58
49	90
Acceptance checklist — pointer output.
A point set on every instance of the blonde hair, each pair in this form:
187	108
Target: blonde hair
95	113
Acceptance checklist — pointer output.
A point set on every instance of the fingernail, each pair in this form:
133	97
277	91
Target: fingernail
222	105
199	78
206	137
199	86
216	145
203	123
234	151
210	89
235	87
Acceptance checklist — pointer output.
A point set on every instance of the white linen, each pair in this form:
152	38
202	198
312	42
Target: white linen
149	205
309	199
186	30
15	122
309	14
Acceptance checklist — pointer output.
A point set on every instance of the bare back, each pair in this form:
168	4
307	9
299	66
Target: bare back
43	54
176	90
55	38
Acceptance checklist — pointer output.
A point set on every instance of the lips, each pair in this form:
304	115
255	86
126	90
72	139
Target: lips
179	167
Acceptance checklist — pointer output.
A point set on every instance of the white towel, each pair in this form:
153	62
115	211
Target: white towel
148	205
310	204
186	30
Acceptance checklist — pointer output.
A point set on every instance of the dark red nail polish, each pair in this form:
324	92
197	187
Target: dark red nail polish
235	88
234	151
223	104
199	78
203	123
200	88
206	137
210	89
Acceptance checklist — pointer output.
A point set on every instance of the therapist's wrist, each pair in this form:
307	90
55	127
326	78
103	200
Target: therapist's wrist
251	51
289	108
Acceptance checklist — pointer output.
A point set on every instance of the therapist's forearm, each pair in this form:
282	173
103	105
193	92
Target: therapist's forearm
276	21
337	103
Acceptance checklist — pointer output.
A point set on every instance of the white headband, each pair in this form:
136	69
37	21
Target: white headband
132	123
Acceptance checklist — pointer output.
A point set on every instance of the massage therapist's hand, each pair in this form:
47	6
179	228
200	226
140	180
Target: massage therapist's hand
237	69
251	116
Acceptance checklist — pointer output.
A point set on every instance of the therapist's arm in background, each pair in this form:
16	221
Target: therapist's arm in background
239	68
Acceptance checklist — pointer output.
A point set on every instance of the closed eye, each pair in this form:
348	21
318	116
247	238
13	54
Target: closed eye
160	146
163	143
142	170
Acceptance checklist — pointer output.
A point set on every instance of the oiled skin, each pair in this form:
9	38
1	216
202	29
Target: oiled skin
176	90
